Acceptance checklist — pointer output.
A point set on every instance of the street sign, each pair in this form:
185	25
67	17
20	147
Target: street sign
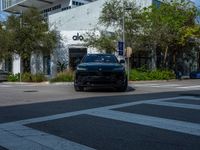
121	48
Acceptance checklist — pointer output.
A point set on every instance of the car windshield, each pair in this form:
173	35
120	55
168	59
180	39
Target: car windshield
100	59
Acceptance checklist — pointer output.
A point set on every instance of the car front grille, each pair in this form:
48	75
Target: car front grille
100	77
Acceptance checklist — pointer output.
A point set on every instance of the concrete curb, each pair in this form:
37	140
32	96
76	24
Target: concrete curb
25	83
40	83
71	83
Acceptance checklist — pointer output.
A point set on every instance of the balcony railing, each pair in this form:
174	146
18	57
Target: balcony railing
9	3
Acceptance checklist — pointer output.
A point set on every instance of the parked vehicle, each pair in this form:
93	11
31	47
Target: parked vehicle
3	75
195	75
100	70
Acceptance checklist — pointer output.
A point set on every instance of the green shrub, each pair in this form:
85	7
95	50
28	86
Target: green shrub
26	77
66	76
14	77
38	77
137	74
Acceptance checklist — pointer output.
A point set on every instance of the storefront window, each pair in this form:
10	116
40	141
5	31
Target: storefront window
8	65
46	65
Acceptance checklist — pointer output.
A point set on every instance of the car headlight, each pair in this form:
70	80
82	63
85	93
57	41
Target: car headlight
81	68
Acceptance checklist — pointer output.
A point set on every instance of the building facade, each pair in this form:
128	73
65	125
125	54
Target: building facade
73	24
42	63
46	6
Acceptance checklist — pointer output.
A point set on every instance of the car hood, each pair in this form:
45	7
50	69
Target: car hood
100	66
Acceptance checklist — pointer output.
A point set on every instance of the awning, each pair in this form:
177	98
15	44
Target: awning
26	4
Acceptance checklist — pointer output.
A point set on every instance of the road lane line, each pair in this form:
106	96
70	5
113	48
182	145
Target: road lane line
144	101
162	123
75	113
190	87
174	104
157	85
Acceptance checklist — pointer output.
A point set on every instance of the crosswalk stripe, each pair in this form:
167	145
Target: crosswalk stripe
173	104
190	87
75	113
162	123
5	86
178	86
14	142
24	138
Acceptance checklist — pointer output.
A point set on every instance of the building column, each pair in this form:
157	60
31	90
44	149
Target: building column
16	64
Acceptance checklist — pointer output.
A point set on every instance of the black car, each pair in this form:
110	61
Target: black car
195	75
100	70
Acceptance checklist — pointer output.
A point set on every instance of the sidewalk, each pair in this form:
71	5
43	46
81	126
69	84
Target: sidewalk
71	83
37	83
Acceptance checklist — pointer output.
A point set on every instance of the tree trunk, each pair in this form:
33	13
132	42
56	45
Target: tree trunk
174	60
26	65
153	58
165	56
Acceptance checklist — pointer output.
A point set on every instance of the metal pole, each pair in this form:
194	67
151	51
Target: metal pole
21	23
123	26
124	39
128	76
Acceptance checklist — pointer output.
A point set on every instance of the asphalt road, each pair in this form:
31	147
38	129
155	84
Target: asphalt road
149	116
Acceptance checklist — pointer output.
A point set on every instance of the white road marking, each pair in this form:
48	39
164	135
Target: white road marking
148	84
157	85
14	142
25	138
4	86
166	85
167	124
190	87
145	101
75	113
163	85
173	104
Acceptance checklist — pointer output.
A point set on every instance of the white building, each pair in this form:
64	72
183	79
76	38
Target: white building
46	6
41	63
75	23
71	23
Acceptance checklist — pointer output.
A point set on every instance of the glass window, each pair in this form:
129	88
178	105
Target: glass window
101	58
46	65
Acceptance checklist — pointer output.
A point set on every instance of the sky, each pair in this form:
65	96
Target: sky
197	2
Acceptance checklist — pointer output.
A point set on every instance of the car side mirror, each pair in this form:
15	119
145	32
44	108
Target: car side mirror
122	61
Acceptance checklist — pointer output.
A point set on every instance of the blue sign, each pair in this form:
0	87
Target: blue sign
121	48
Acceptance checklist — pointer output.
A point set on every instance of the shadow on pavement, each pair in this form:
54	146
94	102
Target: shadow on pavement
26	111
108	90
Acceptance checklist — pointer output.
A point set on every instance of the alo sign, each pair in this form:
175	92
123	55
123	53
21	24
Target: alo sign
78	37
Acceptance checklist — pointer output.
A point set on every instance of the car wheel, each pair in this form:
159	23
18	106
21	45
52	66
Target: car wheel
78	88
124	87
